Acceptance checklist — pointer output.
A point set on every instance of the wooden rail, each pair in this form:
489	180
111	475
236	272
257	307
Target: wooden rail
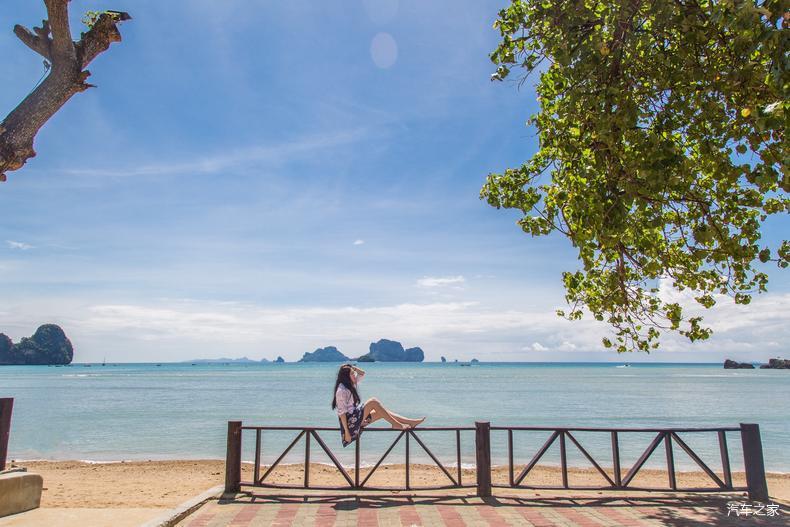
565	437
6	406
357	482
670	437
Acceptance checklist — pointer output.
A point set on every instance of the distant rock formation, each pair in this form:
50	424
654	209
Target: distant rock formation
474	361
776	364
391	351
226	360
279	359
6	347
48	345
732	365
443	359
327	354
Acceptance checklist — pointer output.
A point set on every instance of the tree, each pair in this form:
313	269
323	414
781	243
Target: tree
662	150
66	61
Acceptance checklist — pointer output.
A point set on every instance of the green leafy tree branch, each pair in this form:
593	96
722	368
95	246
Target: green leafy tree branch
662	150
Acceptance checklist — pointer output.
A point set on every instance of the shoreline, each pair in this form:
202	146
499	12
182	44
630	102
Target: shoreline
363	465
454	362
126	484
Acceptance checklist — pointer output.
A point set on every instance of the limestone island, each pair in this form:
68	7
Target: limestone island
391	351
776	364
48	346
327	354
773	364
226	360
733	365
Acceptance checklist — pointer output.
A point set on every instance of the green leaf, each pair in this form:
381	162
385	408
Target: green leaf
659	154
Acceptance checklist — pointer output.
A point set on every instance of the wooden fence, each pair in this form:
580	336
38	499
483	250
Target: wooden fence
6	405
614	477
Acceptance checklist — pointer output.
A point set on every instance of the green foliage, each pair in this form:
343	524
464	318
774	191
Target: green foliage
662	150
91	17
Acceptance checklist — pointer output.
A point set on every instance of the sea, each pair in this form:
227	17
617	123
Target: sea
113	412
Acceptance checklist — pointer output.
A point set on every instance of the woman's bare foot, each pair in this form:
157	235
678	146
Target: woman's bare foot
413	423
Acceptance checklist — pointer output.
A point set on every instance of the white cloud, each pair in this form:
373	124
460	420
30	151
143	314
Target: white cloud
440	281
19	245
220	162
359	242
172	329
759	326
563	346
567	346
181	330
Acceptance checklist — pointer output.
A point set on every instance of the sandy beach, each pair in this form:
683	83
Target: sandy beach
169	483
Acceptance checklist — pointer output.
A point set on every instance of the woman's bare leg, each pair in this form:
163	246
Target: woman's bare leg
375	410
407	421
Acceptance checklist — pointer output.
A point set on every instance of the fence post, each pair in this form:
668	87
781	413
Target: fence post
233	458
753	462
6	405
483	458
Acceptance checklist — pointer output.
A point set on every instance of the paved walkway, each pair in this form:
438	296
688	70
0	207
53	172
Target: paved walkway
81	517
455	511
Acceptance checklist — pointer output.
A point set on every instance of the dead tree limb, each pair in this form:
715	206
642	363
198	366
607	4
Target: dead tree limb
67	76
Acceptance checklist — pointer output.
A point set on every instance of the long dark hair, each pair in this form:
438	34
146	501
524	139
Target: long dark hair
344	378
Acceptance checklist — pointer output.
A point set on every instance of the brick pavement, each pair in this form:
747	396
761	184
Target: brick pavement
455	511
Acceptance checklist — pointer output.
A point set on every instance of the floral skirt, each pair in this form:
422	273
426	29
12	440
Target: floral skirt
355	424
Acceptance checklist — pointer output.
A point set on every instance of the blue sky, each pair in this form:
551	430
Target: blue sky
265	178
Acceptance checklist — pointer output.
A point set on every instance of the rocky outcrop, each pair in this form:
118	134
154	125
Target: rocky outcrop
444	359
392	351
776	364
732	365
279	360
48	345
474	361
327	354
226	360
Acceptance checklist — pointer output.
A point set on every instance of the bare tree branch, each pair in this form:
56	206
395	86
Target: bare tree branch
99	37
38	40
62	46
67	76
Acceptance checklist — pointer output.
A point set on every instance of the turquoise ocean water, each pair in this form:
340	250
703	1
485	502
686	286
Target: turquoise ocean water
180	411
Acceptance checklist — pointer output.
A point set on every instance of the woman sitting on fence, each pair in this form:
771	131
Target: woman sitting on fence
353	415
